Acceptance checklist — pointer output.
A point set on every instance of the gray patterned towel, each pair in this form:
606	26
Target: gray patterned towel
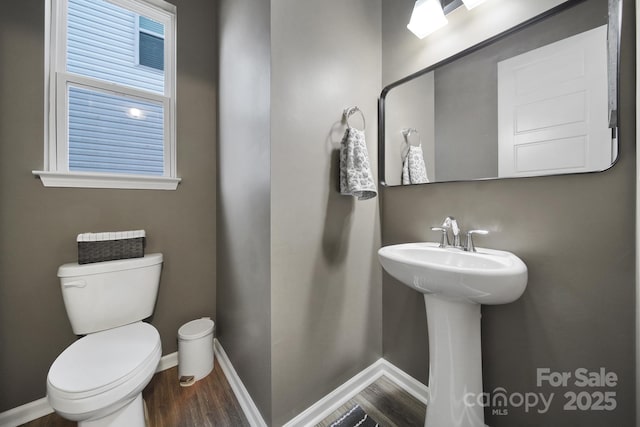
414	170
356	417
355	172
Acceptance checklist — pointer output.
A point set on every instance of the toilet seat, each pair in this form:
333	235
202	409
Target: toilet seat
103	368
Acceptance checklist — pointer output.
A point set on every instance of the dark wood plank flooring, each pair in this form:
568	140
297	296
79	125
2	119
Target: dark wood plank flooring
385	402
209	402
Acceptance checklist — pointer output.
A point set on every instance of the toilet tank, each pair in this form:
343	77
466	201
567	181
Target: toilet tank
105	295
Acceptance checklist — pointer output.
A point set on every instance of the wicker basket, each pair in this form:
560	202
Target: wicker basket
109	250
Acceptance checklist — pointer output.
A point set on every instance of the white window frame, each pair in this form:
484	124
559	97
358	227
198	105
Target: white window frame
57	80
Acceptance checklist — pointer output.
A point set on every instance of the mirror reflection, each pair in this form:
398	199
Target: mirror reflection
540	100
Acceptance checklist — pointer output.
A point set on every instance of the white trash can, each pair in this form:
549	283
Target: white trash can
195	350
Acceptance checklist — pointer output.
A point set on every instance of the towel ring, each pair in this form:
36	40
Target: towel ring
408	132
350	111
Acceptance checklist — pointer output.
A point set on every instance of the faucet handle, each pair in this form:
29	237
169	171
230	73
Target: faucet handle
444	239
470	247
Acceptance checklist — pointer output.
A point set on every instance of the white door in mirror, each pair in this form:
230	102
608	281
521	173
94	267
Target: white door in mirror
553	108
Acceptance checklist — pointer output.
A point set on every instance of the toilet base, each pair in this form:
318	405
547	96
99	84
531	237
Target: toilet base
130	415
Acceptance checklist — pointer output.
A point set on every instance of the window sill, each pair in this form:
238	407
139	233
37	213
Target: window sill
106	180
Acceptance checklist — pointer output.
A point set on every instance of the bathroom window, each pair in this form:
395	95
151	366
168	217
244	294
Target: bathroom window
110	94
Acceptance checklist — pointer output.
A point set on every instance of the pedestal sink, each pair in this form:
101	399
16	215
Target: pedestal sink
454	284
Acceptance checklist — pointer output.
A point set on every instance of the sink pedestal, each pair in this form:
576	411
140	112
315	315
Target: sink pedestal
455	283
455	363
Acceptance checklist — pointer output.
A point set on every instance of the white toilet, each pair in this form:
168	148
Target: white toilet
98	380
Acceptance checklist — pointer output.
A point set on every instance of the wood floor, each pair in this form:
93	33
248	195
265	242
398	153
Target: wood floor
211	402
386	403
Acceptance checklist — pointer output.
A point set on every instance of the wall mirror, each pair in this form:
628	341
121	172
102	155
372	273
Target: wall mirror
538	99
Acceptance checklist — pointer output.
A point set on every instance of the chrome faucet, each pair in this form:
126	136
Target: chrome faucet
450	223
470	247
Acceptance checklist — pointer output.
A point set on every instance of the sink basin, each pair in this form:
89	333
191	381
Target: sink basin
454	284
487	276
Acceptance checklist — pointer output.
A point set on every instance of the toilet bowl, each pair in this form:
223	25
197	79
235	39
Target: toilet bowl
98	380
101	374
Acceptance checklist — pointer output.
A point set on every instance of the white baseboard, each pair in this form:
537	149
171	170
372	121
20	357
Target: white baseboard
328	404
25	413
406	381
168	361
338	397
39	408
332	401
311	416
246	402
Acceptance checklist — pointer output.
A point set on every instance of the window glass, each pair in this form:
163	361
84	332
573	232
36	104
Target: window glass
103	42
151	51
151	26
112	133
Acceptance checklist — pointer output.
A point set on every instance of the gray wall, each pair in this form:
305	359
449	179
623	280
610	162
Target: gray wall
467	92
325	277
299	305
244	238
575	233
38	225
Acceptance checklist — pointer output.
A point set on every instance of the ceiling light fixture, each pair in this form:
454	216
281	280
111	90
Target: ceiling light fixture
470	4
427	17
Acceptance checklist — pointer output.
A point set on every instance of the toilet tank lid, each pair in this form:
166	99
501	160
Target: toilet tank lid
74	269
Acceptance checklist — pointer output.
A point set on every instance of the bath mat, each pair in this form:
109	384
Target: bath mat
355	417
